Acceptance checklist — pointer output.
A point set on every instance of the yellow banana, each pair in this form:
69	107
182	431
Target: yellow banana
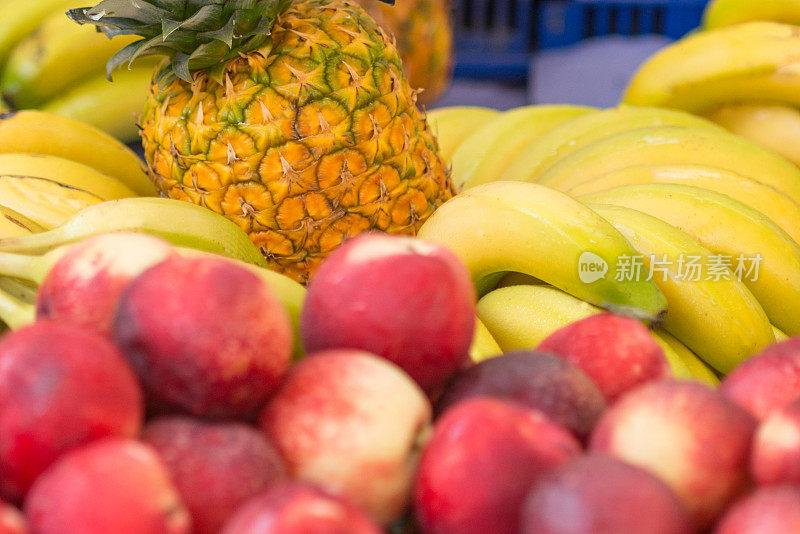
15	312
14	224
558	143
670	146
753	61
721	13
44	201
66	172
21	18
675	350
113	107
182	223
719	320
755	248
774	126
453	124
45	133
483	344
484	155
56	56
782	210
535	230
521	317
779	336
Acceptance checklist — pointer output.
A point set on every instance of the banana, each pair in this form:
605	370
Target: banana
565	139
21	18
521	317
45	133
518	279
753	61
56	56
719	320
484	155
783	211
773	126
44	201
181	223
779	336
675	350
674	145
65	172
744	239
483	344
535	230
453	124
18	289
721	13
15	312
13	224
113	107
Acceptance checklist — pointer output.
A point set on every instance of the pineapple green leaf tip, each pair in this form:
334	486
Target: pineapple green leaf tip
194	34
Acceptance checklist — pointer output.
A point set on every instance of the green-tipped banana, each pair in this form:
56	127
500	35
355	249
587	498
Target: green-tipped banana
781	209
58	55
484	155
719	320
38	132
720	13
562	141
453	124
535	230
521	317
181	223
113	107
750	62
765	258
671	146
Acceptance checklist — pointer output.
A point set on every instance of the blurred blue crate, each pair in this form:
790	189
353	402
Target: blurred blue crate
494	38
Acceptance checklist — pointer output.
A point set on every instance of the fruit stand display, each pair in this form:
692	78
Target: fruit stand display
320	304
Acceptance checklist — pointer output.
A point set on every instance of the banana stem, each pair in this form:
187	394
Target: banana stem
33	268
14	312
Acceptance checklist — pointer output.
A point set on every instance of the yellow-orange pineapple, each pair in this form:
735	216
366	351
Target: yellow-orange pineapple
293	119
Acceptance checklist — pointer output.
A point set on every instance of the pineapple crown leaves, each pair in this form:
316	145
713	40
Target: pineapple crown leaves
194	34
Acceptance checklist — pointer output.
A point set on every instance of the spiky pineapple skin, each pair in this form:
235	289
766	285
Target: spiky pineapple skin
308	141
424	37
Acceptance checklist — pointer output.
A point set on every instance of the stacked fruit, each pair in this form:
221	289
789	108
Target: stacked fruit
156	393
711	220
47	62
740	72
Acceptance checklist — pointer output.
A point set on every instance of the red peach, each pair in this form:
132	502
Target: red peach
774	510
350	422
537	380
600	495
776	447
113	485
11	520
686	433
215	467
60	387
85	284
767	381
205	335
298	508
402	298
483	457
618	353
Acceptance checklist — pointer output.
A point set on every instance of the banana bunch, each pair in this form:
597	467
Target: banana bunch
741	72
713	220
52	64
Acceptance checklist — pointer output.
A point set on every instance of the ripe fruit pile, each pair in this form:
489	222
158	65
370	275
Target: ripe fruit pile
156	393
49	63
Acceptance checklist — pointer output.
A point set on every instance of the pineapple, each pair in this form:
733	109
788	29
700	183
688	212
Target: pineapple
292	118
424	38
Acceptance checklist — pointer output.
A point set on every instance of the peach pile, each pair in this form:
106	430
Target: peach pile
158	396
